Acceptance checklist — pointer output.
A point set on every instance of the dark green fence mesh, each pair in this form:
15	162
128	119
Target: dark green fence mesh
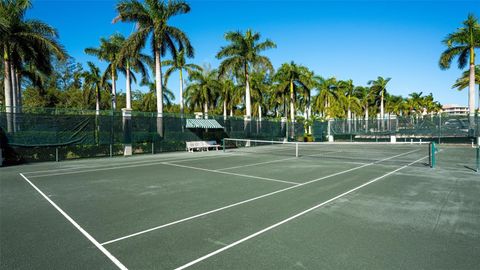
59	134
48	135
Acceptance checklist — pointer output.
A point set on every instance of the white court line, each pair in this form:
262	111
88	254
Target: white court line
126	165
75	224
230	173
255	164
292	217
246	201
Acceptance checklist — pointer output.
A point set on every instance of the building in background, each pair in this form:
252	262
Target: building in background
455	109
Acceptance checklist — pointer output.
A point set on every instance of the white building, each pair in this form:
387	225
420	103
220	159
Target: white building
455	109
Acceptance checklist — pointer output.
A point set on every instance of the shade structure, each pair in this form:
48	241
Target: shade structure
203	123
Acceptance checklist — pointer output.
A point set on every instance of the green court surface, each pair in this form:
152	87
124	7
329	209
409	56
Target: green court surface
377	208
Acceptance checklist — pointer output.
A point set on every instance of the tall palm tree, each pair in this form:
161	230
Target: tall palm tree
292	79
152	23
93	81
327	96
204	89
365	96
179	64
260	84
227	95
131	61
24	41
462	44
350	101
242	54
380	86
109	51
415	103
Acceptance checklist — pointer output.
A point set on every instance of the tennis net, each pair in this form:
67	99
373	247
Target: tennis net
356	152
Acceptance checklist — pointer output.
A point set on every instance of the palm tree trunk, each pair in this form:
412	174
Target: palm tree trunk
19	91
181	92
14	88
231	112
128	87
8	91
159	90
14	97
292	106
248	104
260	112
366	118
471	88
224	110
205	109
114	90
97	101
158	83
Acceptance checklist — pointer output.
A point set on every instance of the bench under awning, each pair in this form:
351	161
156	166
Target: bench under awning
203	123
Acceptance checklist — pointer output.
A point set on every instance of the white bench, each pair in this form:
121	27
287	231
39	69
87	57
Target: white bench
202	145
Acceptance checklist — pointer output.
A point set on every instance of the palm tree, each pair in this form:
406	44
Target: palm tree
179	64
109	51
152	23
93	81
292	79
149	99
260	84
24	42
463	82
203	90
327	96
365	96
462	44
350	101
132	61
242	54
227	95
415	103
380	86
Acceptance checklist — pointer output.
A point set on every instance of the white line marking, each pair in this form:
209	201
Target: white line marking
292	217
85	233
127	165
246	201
230	173
255	164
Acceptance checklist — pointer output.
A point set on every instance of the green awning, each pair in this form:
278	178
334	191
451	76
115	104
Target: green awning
203	123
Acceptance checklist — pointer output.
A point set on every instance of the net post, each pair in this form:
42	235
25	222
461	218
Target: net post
296	149
432	155
111	151
56	154
223	144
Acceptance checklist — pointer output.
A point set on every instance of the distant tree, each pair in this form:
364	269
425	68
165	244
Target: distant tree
241	55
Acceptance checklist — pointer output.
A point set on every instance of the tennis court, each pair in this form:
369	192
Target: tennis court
290	206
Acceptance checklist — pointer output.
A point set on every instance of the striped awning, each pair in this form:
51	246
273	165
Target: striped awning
203	123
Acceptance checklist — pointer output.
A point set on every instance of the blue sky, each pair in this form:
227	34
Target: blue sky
353	39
